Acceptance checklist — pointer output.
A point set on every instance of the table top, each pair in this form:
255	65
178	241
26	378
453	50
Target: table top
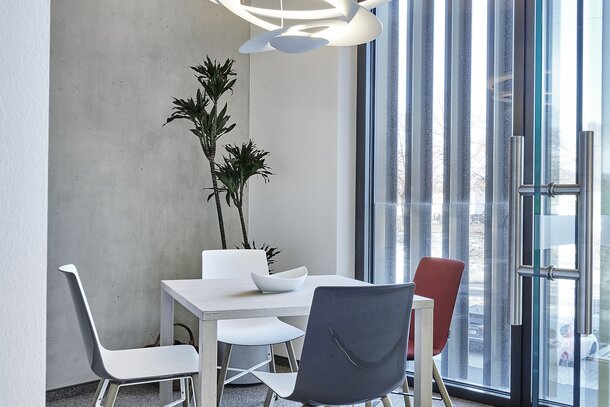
214	299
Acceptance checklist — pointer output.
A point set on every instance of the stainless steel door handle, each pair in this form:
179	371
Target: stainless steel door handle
516	230
584	300
584	192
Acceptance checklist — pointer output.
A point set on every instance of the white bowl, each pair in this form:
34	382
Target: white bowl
280	282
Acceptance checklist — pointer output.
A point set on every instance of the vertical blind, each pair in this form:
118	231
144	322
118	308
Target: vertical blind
439	97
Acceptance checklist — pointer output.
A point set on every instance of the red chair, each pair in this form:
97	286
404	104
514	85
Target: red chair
438	279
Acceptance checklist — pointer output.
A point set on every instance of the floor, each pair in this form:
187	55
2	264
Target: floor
147	395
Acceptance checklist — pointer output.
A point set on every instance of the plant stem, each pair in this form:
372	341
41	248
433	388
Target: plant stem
221	225
244	232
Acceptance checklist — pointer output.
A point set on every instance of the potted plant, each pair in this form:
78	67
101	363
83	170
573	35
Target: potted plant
209	121
242	163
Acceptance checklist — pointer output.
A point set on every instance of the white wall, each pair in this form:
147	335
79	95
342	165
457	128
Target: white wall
303	110
24	107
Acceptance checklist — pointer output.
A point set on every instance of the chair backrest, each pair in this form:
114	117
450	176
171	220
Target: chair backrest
236	263
439	279
93	347
355	344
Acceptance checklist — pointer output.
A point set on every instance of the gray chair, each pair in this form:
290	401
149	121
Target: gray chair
117	368
355	347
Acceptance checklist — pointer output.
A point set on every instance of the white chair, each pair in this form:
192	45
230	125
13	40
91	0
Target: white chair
118	368
240	263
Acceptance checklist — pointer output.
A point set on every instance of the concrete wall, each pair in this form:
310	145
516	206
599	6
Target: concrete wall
24	118
126	198
303	110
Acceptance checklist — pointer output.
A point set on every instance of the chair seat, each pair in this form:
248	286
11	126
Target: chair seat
411	350
256	331
155	362
282	384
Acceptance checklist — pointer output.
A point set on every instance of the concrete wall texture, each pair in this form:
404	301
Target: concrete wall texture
127	203
24	125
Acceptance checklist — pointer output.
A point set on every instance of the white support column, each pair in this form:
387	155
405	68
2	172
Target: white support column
24	152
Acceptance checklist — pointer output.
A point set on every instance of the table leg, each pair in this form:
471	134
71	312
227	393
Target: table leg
423	357
166	330
206	393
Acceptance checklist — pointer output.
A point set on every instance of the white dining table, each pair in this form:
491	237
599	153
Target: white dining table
211	300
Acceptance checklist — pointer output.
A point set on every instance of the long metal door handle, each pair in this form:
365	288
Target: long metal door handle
584	191
516	229
585	233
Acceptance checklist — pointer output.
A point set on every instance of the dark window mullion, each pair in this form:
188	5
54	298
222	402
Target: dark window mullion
365	153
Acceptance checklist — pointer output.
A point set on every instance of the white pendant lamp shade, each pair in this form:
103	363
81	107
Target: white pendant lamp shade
345	23
296	44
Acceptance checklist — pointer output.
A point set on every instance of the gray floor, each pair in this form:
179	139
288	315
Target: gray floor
147	395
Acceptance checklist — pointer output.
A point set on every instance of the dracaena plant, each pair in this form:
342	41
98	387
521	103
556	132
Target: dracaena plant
241	163
209	121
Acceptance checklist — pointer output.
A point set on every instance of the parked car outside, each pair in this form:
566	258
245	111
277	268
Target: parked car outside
475	327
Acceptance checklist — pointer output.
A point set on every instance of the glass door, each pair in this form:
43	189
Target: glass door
570	273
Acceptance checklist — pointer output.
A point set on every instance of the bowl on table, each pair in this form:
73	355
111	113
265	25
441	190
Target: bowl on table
288	280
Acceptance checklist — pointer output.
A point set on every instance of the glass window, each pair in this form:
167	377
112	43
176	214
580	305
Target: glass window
441	99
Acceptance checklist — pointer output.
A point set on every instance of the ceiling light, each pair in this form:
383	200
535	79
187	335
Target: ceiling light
345	23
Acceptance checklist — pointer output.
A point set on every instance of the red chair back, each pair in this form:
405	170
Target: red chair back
438	279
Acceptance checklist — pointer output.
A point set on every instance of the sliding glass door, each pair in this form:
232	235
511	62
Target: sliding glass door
439	120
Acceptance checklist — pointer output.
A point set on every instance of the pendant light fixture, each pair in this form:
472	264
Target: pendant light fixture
344	23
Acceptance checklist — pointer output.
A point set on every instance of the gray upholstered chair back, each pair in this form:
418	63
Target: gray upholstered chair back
355	345
93	347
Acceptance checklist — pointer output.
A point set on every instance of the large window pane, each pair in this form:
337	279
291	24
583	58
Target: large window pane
442	121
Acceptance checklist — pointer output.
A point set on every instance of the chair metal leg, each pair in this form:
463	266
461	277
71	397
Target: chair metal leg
441	385
184	393
223	373
196	383
99	393
111	394
291	357
385	400
269	399
271	360
405	389
192	392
